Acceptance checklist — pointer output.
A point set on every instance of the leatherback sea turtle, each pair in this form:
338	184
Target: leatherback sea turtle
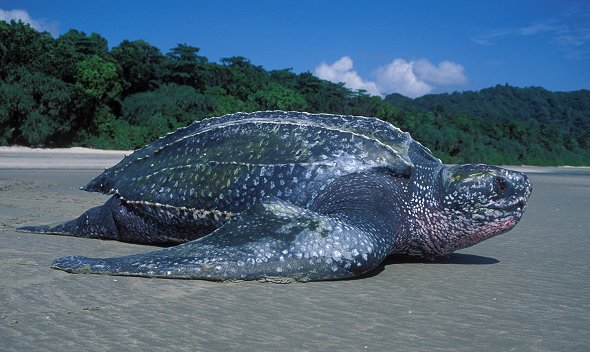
289	196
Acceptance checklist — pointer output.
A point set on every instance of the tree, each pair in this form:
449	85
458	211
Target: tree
221	103
83	44
186	53
34	109
323	96
180	104
141	65
240	78
274	96
69	50
185	67
285	78
98	78
21	45
97	87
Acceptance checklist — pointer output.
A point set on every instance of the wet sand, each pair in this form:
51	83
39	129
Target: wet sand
527	290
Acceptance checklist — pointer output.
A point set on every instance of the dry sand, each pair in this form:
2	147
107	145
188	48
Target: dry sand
58	159
528	290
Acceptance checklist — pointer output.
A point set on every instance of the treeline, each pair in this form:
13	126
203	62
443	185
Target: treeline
74	91
510	125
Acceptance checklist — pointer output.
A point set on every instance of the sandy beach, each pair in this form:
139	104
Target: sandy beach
527	290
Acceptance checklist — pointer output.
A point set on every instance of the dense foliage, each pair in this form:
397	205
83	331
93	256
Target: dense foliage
73	90
511	125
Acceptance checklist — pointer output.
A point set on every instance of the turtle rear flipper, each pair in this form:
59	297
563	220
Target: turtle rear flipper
141	223
114	220
97	222
276	241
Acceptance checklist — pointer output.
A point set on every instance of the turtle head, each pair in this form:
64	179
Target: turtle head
476	202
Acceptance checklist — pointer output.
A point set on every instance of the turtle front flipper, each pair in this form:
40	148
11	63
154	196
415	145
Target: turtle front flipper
340	237
271	241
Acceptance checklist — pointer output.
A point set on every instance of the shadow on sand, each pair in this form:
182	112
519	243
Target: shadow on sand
454	258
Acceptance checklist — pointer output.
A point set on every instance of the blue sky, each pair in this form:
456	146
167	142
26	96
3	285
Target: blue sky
410	47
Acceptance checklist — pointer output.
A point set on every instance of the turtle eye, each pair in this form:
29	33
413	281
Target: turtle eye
500	183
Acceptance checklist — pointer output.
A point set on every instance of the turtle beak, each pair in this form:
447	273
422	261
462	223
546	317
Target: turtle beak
516	188
509	190
513	188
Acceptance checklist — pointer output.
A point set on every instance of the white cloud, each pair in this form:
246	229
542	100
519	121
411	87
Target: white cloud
342	71
489	37
410	78
399	77
444	74
550	26
22	15
568	31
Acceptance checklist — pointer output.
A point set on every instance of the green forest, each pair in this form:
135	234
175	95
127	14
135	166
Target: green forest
74	91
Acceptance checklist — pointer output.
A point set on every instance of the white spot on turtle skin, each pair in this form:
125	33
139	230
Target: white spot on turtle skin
336	255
